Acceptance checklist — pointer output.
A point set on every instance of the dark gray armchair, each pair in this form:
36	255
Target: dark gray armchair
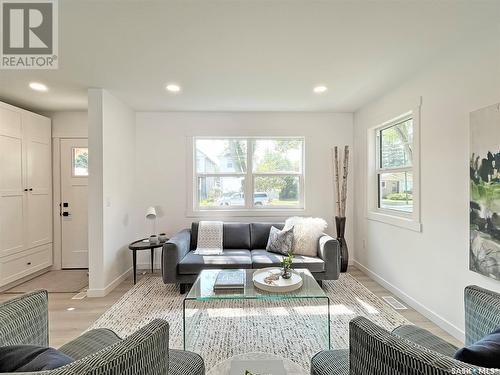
24	321
410	350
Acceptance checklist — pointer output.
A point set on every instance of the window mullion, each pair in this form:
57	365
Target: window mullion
249	176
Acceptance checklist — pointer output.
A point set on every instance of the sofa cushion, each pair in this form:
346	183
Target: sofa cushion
230	258
236	236
259	234
194	235
263	258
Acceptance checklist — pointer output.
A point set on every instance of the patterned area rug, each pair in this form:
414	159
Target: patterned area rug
293	329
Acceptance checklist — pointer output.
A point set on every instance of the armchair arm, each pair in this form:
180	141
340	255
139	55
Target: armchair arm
172	253
25	320
145	352
374	351
329	251
424	338
482	313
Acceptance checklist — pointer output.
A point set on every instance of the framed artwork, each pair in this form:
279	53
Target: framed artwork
484	250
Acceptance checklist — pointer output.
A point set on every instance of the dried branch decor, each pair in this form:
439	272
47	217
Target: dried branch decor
340	202
341	190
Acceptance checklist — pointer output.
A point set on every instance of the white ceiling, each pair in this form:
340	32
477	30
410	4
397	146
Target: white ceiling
252	55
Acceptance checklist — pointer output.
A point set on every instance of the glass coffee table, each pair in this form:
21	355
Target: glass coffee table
254	320
225	367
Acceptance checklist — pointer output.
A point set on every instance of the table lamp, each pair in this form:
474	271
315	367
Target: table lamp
151	215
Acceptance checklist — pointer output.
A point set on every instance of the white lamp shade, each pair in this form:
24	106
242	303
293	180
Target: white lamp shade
151	213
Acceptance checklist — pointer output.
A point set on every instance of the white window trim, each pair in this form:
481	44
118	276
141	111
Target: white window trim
411	221
193	209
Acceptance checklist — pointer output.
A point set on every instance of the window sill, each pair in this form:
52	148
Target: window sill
398	221
247	213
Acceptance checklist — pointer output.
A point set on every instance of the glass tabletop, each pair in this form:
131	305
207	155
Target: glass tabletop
203	288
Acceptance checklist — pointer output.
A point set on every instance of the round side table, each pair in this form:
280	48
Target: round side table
143	244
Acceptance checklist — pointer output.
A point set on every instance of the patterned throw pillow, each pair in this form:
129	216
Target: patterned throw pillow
280	241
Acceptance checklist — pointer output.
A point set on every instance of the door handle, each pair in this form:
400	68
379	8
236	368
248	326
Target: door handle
25	189
65	213
30	189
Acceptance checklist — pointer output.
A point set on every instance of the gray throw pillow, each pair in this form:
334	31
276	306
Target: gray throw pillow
280	241
31	358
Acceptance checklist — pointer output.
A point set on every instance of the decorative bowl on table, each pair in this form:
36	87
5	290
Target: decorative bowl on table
270	280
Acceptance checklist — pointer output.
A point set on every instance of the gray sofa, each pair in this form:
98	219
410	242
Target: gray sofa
244	247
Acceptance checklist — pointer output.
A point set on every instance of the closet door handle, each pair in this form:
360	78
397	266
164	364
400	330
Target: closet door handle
30	189
25	189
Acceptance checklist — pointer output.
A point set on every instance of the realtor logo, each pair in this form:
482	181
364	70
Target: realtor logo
29	34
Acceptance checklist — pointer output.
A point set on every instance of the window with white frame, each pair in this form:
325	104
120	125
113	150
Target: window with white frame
248	173
393	171
395	166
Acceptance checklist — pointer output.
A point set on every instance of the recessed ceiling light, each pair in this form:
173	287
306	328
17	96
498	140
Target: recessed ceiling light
320	89
37	86
70	308
172	87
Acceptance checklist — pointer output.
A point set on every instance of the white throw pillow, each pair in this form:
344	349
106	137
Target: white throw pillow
306	234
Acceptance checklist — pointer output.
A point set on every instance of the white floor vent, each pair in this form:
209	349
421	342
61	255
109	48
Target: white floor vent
395	304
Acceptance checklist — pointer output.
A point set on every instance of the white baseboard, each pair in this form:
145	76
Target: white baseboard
428	313
102	292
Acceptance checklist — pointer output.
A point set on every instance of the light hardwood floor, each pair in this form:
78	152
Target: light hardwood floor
68	317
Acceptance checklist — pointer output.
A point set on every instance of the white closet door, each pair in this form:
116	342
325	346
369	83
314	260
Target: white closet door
37	135
12	195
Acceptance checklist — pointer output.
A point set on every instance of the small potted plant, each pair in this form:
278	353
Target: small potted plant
286	265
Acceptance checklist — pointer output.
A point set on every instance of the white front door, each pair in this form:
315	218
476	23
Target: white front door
74	201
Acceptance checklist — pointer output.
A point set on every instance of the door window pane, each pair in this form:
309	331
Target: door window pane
277	156
80	161
396	145
221	156
272	191
396	191
220	192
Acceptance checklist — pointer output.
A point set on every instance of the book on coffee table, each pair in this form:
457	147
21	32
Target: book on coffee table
230	281
257	367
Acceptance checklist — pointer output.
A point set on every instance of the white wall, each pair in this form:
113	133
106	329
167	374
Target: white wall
430	269
111	190
69	124
162	158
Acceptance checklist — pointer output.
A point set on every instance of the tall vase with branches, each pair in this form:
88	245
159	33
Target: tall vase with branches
340	182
